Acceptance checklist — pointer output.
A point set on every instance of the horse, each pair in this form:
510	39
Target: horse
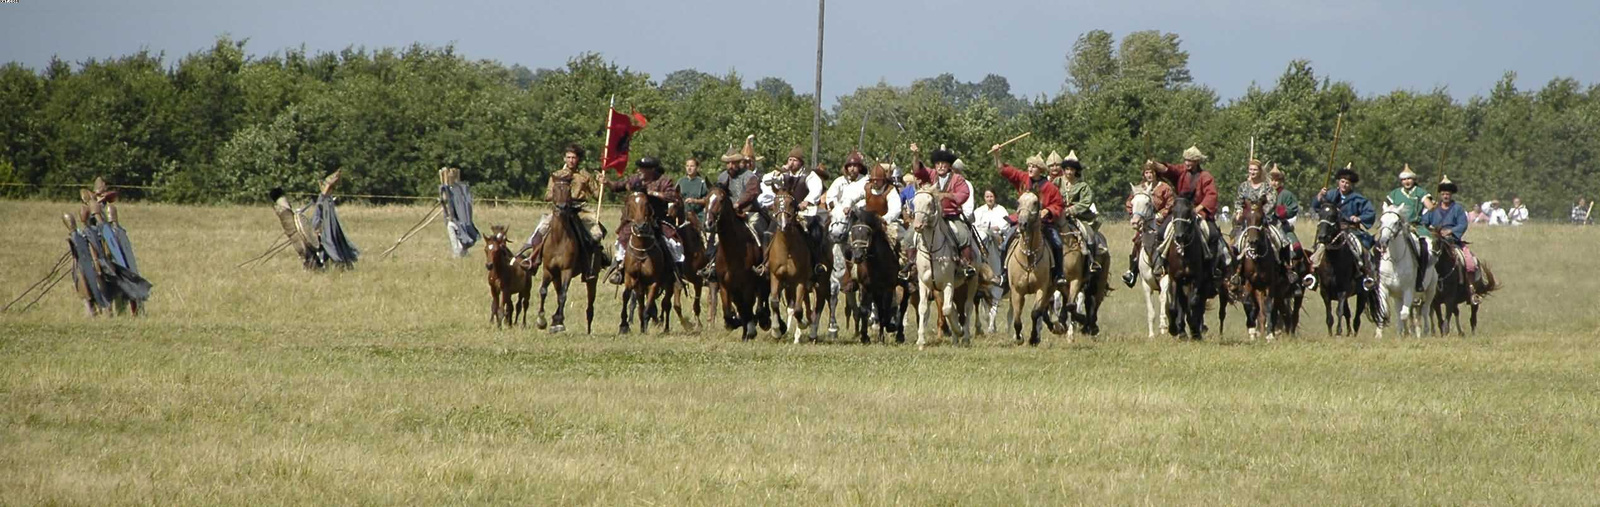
1453	286
1401	256
789	263
743	294
938	274
991	297
1182	251
1263	279
1339	276
1155	287
564	256
695	259
875	269
509	283
1086	288
646	267
1028	270
841	279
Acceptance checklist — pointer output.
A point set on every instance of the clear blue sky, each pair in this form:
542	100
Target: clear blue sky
1376	45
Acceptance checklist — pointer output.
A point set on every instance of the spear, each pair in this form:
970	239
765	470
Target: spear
1337	124
1012	140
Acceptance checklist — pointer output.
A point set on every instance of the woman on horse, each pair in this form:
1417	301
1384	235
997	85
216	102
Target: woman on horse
1254	188
1357	214
1161	198
1416	200
1050	207
1077	200
664	191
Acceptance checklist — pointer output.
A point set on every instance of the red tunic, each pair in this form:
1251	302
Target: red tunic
956	188
1049	196
1160	199
1198	182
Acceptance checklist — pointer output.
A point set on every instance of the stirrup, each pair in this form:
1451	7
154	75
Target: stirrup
615	277
760	269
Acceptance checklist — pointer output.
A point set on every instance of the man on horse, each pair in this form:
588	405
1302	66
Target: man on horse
1451	223
1416	200
1356	214
1078	208
663	192
1199	187
1161	199
1050	207
572	185
743	187
953	193
848	187
811	222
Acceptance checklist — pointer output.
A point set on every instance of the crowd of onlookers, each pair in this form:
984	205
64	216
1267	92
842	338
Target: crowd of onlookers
1494	213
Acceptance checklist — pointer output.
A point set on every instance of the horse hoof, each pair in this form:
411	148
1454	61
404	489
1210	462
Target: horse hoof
539	322
558	328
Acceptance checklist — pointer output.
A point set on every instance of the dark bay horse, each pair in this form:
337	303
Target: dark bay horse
506	280
695	258
743	294
875	268
789	262
1263	282
1453	286
646	267
1339	275
565	256
1183	254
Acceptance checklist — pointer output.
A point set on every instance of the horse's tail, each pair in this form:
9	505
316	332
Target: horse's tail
1490	283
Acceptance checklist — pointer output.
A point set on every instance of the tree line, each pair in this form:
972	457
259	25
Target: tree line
220	125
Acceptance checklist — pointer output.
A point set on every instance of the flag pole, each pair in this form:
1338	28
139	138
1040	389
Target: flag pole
605	156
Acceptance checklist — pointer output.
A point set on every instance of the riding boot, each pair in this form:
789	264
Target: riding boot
966	261
1422	272
1133	269
711	267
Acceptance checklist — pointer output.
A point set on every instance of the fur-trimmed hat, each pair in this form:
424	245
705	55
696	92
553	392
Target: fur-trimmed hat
1072	161
1406	174
1445	185
1347	173
1193	154
1275	173
795	153
1036	161
855	159
942	155
1053	159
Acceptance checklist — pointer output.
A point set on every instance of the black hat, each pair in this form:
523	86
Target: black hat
943	155
1347	174
648	163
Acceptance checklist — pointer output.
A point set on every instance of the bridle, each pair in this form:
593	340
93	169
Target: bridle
641	225
921	215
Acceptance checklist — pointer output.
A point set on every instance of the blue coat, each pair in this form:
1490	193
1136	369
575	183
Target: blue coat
1354	205
1452	218
906	194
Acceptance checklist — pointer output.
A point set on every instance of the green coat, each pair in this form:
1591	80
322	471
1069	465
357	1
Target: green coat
1291	209
1412	201
1077	197
694	188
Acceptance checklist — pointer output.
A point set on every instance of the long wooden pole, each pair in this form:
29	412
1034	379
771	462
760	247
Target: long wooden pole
816	111
605	156
1338	123
1012	140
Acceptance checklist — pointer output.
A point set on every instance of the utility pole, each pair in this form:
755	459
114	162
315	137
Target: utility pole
816	112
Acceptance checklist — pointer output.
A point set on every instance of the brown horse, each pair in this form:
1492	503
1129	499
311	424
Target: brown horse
1028	270
875	268
1454	289
695	258
789	263
1086	288
506	279
564	257
743	293
646	267
1263	281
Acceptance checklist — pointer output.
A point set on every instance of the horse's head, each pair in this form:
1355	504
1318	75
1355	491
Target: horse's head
924	205
717	203
784	205
839	218
494	248
1027	210
1390	224
1327	222
1180	226
862	224
1143	206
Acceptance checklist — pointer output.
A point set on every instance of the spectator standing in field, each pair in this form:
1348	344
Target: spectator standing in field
1496	214
1518	213
1580	212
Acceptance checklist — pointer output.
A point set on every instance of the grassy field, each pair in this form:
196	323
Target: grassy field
387	384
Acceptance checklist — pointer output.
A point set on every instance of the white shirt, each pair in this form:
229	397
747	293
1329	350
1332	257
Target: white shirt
1498	217
990	220
1519	215
813	191
843	191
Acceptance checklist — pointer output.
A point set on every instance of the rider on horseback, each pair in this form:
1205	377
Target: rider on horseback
1196	184
811	224
1050	207
1356	214
570	186
743	186
1414	201
1254	188
664	191
1078	208
953	191
1451	223
1161	198
1286	208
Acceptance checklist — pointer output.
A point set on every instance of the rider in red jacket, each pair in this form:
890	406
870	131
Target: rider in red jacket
1050	206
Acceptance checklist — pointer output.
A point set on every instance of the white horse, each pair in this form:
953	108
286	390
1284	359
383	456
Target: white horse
1397	274
939	272
1152	286
995	259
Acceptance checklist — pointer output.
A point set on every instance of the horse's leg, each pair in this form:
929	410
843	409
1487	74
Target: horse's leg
668	296
1018	300
589	312
923	309
1474	318
544	289
1327	311
627	299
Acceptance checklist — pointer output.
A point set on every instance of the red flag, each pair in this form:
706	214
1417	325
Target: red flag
619	135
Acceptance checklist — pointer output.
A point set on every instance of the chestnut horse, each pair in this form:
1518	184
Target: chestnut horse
743	294
789	263
565	257
646	268
506	279
1263	281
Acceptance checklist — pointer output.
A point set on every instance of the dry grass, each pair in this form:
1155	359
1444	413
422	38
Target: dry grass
388	385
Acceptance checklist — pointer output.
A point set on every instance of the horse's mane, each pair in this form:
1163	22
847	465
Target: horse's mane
869	218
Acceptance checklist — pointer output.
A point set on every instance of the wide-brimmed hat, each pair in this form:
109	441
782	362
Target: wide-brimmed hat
1193	154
